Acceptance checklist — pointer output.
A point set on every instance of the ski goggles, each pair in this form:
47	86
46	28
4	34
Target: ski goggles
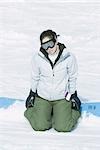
48	44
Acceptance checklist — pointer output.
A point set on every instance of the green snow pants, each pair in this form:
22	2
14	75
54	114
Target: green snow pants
47	114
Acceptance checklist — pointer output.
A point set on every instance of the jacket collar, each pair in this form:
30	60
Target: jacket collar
63	53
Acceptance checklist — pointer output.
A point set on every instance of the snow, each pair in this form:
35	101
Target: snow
16	133
21	23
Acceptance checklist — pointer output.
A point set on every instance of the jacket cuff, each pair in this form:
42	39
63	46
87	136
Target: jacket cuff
32	93
67	96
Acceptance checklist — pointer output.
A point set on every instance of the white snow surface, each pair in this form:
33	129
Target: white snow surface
16	133
21	23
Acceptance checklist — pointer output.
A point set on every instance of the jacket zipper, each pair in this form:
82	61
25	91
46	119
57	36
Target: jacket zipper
52	82
53	73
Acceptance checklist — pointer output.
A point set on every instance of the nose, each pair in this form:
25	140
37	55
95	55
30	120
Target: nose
49	49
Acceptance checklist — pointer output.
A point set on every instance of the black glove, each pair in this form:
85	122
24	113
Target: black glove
76	103
30	99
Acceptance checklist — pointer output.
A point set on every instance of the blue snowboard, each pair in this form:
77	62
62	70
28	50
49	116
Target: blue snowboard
89	107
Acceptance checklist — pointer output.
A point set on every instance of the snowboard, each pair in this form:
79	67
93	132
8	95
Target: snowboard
88	107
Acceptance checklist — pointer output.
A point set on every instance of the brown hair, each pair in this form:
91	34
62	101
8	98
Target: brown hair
48	33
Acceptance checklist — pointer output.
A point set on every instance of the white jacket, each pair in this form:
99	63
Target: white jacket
53	83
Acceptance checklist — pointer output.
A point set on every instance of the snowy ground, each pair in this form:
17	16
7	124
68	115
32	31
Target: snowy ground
20	26
16	133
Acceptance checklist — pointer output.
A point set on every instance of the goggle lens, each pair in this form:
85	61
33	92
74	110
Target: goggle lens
48	44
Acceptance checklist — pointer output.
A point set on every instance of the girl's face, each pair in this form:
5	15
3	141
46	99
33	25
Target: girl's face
49	50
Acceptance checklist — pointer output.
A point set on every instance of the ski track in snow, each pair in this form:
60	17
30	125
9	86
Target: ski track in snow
20	26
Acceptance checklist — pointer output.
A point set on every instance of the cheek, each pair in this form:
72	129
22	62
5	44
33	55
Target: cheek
54	48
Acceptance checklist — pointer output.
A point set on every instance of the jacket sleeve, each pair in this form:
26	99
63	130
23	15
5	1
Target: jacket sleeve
72	74
35	73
